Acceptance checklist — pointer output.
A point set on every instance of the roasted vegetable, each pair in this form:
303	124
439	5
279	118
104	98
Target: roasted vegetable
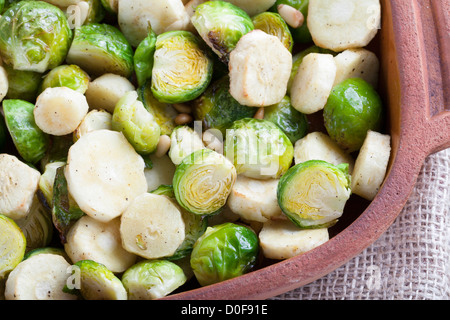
12	245
70	76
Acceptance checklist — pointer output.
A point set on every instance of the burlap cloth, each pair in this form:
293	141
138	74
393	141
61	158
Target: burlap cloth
410	261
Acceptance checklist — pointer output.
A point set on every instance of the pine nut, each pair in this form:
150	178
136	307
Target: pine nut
183	118
163	146
259	114
182	108
292	16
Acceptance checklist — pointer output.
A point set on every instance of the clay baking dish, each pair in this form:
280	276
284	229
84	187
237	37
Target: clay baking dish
414	48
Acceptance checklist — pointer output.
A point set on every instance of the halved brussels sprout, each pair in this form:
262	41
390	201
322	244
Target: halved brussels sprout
353	108
47	180
143	57
70	76
12	245
164	113
152	279
57	150
96	282
183	141
136	123
221	25
34	36
293	123
273	24
22	85
258	148
96	11
217	109
313	194
182	69
101	48
30	141
223	252
203	180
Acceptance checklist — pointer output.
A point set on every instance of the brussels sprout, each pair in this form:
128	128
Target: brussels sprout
202	182
47	181
65	211
183	141
164	190
221	25
182	68
96	11
143	57
313	194
96	282
300	34
30	141
217	108
70	76
258	148
272	23
353	108
223	252
57	150
164	113
101	48
22	85
34	36
12	245
37	226
152	279
293	123
47	250
111	6
136	123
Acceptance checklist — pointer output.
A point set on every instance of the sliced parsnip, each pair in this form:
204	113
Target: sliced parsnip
90	239
371	165
152	227
357	63
134	17
253	7
104	174
254	200
60	110
319	146
260	67
18	185
161	173
105	91
94	120
281	239
343	24
40	277
313	82
4	84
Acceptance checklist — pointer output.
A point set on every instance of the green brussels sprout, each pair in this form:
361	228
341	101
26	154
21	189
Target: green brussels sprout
312	194
22	85
65	211
47	180
164	190
57	151
96	11
101	48
300	34
49	250
12	245
258	148
152	279
37	226
273	24
293	123
136	123
70	76
353	108
202	182
221	25
217	109
182	69
223	252
143	58
164	113
183	141
30	141
96	282
111	6
34	36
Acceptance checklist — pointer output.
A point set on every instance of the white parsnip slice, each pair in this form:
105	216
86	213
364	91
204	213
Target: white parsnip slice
343	24
60	110
104	174
313	82
319	146
281	239
40	277
152	227
90	239
94	120
371	165
260	67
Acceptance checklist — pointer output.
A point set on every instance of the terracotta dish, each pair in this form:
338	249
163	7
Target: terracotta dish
413	46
